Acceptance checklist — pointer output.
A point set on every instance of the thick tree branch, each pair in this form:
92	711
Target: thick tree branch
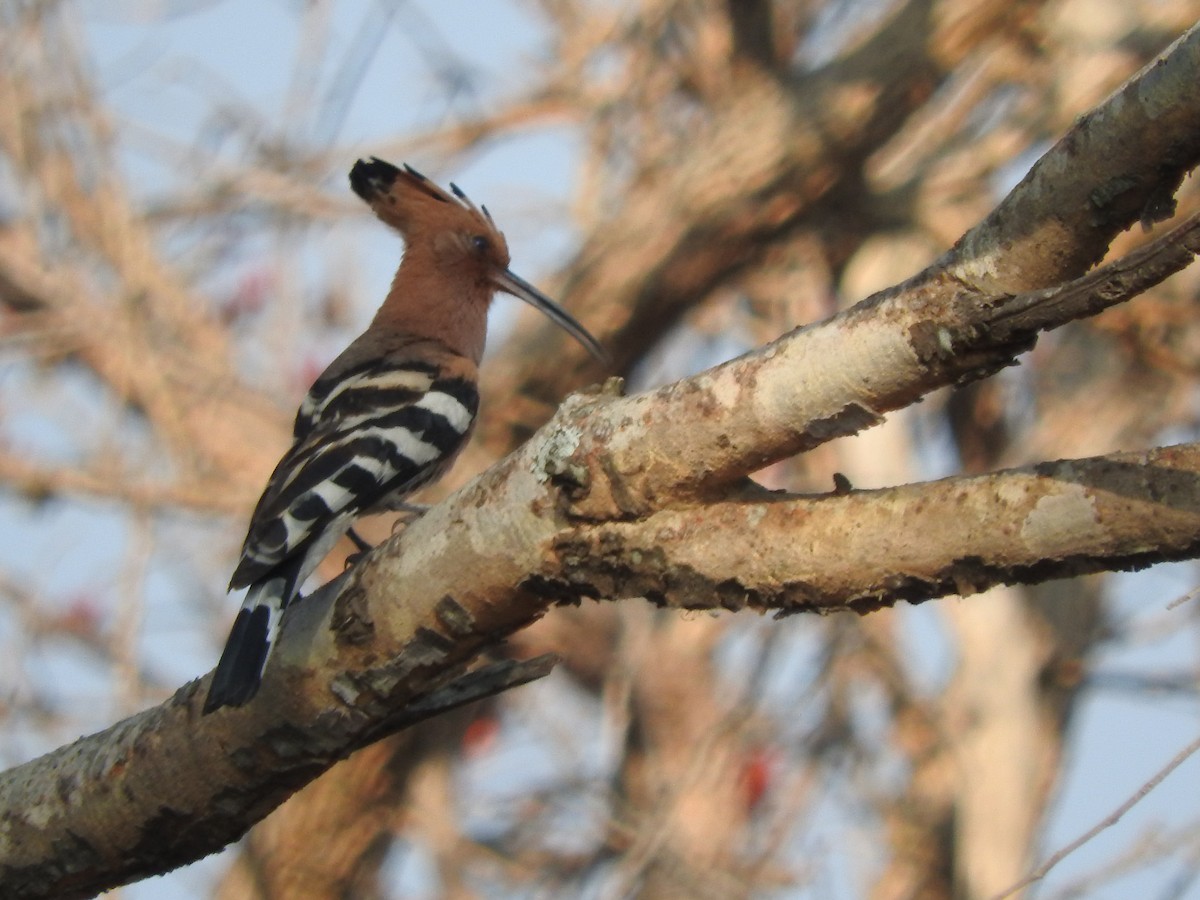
90	842
492	558
831	379
865	549
1120	164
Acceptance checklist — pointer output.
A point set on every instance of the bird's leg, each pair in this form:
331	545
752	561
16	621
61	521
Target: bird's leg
364	547
410	512
358	541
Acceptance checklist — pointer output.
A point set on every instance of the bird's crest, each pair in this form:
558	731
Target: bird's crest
410	202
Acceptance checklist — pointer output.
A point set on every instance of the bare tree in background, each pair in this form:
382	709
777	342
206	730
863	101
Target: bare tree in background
748	167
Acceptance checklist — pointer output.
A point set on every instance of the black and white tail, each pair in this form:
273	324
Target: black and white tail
253	636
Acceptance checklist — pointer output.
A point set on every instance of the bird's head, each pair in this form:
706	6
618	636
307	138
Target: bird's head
452	237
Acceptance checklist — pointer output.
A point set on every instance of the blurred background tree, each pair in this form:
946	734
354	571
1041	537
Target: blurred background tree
179	257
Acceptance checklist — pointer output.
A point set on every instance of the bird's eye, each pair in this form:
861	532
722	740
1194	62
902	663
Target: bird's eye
480	243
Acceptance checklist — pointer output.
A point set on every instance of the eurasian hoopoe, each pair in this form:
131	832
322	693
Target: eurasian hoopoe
389	414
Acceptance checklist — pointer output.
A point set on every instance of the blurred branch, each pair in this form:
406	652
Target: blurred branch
38	481
753	33
87	280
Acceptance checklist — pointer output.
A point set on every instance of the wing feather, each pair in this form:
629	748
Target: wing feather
364	445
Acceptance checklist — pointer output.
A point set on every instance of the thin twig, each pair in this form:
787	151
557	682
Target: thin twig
1179	601
1105	823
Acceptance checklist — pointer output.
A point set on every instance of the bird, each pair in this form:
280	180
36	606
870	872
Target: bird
388	415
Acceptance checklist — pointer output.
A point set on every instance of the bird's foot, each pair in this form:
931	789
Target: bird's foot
364	547
409	513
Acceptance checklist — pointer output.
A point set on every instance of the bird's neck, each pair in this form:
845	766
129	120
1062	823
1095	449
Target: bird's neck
434	304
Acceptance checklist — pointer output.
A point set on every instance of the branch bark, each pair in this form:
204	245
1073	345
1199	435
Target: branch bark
168	786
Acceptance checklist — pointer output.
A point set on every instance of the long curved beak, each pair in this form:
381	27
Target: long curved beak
519	287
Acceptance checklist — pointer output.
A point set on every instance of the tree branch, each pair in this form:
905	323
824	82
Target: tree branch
865	549
832	379
122	804
391	638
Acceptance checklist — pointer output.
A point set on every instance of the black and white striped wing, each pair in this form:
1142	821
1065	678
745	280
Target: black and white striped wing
366	441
